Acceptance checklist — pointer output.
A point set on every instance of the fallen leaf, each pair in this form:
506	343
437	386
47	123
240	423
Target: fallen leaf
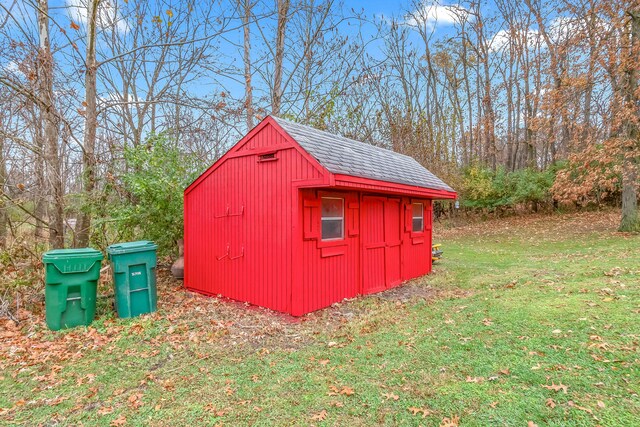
550	403
493	404
454	421
323	362
532	424
388	396
475	379
320	416
556	387
120	421
105	410
347	391
136	400
425	411
572	404
213	410
601	404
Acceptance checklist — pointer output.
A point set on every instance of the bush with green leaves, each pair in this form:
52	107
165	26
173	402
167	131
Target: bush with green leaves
152	209
491	189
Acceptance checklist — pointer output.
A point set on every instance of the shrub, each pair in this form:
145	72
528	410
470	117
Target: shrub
157	174
489	189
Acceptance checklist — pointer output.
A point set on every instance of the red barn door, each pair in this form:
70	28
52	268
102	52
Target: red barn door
381	239
393	239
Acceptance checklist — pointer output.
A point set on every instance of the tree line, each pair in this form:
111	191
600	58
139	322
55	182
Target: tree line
510	102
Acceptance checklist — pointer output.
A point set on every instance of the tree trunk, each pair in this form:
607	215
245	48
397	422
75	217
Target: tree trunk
91	123
3	206
630	220
248	99
39	202
276	95
50	120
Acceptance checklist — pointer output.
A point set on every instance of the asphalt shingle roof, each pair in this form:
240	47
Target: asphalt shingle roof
346	156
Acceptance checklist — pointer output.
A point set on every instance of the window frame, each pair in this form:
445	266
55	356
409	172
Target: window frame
342	218
421	217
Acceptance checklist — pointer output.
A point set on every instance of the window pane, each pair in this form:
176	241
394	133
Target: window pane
332	208
417	224
331	229
417	210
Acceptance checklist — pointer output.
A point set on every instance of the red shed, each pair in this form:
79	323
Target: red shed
294	219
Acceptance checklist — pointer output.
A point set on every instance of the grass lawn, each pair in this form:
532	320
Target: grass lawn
526	321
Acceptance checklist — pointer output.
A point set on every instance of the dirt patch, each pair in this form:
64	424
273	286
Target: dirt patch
409	291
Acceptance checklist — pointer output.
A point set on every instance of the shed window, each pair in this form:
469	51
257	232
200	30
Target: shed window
418	217
332	218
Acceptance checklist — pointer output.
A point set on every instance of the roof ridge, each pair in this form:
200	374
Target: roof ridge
350	140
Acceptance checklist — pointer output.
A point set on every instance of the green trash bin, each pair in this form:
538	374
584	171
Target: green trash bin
71	284
133	266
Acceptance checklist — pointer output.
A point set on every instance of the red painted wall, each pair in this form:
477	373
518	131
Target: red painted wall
238	223
252	230
416	247
329	270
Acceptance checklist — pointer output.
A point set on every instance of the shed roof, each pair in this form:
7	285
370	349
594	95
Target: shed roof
346	156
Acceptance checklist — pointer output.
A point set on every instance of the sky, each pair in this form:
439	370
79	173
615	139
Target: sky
438	13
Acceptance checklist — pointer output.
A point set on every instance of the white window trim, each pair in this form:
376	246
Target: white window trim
421	217
332	218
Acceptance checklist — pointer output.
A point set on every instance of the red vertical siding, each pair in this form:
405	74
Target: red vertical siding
238	224
373	244
393	240
329	270
416	247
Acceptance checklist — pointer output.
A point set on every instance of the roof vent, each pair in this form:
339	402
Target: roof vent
267	157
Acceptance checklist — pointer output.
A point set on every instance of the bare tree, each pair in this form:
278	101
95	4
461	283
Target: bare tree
91	121
278	57
245	8
50	119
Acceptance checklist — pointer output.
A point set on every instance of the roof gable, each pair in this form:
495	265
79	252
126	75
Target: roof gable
340	155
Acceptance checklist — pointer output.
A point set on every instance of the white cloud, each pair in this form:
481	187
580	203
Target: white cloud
11	67
502	38
432	13
563	27
109	15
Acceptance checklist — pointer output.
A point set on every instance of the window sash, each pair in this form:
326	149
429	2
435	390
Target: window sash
417	220
332	219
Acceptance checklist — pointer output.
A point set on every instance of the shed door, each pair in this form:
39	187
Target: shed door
393	239
381	239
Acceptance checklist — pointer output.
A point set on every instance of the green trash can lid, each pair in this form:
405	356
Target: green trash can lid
130	247
79	253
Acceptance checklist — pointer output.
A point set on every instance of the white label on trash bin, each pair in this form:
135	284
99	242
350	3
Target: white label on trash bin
136	273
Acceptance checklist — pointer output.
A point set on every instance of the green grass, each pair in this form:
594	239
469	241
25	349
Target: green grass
516	305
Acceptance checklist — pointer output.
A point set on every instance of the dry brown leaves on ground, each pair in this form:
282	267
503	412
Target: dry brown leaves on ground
184	319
